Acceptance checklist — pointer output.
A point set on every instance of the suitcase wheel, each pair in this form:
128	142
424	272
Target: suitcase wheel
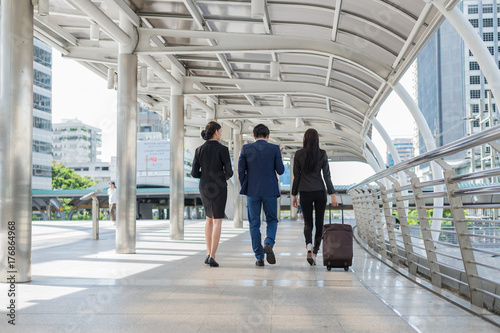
328	268
346	268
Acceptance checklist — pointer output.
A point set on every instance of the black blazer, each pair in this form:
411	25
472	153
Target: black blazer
212	164
311	181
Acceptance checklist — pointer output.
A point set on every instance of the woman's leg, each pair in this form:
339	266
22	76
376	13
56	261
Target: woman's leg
307	210
320	206
209	225
217	227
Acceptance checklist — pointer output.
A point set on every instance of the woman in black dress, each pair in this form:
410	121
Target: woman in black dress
212	165
311	172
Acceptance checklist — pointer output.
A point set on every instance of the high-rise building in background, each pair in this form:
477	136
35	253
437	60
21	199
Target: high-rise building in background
150	126
453	94
404	147
76	142
77	146
42	116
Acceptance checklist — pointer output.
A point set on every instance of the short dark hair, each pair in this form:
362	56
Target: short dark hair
260	131
112	183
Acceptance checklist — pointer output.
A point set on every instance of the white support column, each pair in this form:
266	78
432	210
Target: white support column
126	165
379	160
430	145
238	199
16	134
378	157
177	159
372	162
474	42
378	126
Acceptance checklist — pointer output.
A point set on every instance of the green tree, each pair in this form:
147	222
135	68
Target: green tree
64	178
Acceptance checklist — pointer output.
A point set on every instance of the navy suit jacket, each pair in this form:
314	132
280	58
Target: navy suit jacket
257	167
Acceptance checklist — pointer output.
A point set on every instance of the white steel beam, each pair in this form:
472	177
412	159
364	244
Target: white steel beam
263	87
105	23
271	112
127	11
56	29
240	42
388	141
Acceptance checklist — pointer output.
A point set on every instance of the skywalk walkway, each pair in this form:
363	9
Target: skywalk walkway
81	285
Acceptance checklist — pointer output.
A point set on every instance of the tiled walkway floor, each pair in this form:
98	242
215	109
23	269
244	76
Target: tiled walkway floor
81	285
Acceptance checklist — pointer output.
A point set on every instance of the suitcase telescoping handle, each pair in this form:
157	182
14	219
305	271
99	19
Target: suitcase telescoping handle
330	213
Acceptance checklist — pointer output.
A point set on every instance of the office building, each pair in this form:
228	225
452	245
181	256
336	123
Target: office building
42	116
453	93
404	147
76	142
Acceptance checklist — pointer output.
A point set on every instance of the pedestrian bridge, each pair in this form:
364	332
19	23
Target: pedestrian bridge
292	65
82	285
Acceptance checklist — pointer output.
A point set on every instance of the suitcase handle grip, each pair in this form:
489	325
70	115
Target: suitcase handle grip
330	213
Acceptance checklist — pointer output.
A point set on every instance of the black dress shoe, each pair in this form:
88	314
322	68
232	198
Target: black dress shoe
213	263
207	261
268	250
259	262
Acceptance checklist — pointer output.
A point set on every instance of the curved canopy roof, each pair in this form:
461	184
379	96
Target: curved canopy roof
317	63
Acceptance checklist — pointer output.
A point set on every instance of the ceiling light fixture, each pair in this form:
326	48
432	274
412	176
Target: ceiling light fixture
165	113
94	32
43	7
144	76
111	78
287	102
258	8
275	69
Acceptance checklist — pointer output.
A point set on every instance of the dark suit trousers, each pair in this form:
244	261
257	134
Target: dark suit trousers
308	201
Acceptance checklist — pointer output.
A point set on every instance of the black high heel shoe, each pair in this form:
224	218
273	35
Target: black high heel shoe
213	263
207	260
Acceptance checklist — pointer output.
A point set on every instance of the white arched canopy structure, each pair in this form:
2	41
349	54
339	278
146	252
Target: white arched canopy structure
331	60
333	64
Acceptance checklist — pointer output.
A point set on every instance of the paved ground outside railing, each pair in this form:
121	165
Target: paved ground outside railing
81	285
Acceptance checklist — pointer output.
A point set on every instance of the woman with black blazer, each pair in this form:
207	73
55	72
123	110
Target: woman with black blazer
212	165
309	162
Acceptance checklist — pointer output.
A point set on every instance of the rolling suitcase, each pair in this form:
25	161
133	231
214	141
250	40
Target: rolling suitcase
337	243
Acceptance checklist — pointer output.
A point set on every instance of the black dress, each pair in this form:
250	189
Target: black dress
212	165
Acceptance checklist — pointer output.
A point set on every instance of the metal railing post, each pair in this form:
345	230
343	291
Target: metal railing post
405	230
372	230
462	231
95	211
425	226
95	218
367	218
358	213
379	228
389	225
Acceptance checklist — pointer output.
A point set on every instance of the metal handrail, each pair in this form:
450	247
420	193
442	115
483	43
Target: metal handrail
461	243
478	190
454	147
476	175
435	182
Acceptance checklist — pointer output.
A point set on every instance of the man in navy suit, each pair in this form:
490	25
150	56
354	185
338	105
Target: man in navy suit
257	167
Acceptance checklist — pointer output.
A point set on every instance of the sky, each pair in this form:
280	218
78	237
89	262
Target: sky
79	93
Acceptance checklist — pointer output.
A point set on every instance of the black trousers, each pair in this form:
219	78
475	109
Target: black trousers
309	201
